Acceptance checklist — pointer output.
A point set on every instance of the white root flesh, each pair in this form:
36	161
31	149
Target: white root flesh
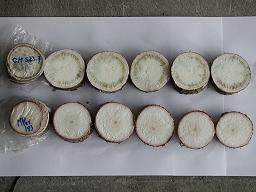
230	73
72	121
64	69
190	72
108	71
234	129
196	130
114	122
154	125
150	71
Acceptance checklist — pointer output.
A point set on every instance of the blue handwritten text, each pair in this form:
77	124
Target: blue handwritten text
22	121
26	59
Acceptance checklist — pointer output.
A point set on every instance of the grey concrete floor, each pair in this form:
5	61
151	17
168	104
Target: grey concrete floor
127	8
128	184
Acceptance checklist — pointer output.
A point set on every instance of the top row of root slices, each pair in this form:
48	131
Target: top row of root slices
109	71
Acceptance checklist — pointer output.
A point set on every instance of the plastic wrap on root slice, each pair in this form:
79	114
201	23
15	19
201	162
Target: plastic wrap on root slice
9	139
19	35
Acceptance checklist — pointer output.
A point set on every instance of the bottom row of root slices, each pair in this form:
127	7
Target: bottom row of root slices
114	122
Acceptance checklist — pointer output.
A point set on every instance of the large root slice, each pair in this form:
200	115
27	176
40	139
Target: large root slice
154	125
190	73
230	73
150	71
108	71
64	69
196	129
114	122
72	122
234	129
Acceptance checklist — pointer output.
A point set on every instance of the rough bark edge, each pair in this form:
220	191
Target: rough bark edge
79	139
80	84
68	89
40	131
225	113
219	90
21	82
146	52
46	113
101	136
190	147
104	91
193	91
188	92
24	81
162	145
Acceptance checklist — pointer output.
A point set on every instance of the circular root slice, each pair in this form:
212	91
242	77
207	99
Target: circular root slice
64	69
30	118
25	63
108	71
154	125
150	71
230	73
114	122
234	129
190	73
196	130
72	122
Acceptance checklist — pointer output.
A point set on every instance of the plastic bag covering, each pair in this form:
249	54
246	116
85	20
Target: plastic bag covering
20	35
9	139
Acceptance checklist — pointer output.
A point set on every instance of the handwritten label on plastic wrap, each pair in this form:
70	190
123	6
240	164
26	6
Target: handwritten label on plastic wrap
26	123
